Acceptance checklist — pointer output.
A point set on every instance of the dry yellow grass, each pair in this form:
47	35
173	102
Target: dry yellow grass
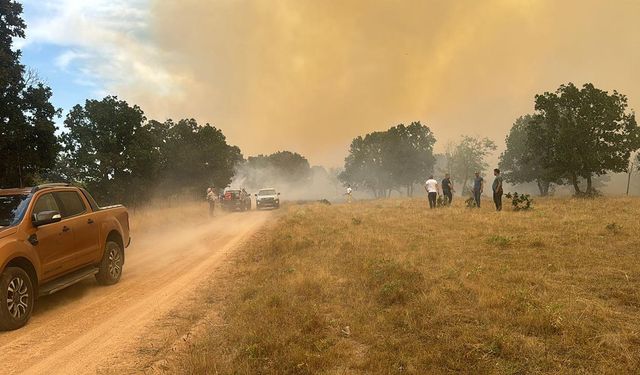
392	287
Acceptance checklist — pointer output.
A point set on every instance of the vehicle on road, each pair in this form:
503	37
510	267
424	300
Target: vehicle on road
52	236
267	198
235	200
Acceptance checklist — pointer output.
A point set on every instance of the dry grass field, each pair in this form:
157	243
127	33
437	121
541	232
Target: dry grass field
393	287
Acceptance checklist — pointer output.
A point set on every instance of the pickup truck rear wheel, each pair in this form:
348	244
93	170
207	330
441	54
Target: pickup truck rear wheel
16	298
111	265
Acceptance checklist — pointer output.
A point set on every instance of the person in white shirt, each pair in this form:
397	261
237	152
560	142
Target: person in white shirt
348	194
431	186
211	198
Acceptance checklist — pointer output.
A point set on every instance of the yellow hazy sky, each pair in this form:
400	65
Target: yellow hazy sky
309	76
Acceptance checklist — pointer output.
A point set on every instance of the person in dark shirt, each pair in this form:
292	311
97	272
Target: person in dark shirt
478	187
497	189
447	189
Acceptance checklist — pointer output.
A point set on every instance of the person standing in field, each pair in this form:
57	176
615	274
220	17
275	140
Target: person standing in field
431	186
349	194
478	188
211	198
497	189
447	189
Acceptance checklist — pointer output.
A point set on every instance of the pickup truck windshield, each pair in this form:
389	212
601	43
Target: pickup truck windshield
12	209
267	192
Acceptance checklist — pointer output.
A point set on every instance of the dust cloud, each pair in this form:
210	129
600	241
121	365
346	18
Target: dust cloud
317	185
309	75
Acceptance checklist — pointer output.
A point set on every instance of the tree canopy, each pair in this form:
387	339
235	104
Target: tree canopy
398	157
274	170
120	157
28	143
582	132
521	162
469	156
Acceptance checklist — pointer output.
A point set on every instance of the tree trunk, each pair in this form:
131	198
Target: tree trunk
589	185
574	181
543	186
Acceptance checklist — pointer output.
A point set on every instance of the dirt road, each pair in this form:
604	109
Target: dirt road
91	329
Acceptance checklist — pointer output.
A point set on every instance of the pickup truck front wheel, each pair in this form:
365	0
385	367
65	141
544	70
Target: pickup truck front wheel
111	265
16	298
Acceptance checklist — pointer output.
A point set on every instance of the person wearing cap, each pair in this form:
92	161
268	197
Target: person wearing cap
478	187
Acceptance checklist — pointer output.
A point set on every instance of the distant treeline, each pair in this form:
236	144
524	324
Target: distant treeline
574	135
110	147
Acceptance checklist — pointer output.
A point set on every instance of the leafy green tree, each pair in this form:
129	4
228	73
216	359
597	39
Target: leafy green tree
108	149
28	144
382	161
468	156
365	165
194	156
521	162
409	151
584	132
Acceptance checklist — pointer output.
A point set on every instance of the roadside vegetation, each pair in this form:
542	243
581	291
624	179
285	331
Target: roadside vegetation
392	287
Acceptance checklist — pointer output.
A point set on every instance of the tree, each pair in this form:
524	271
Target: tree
364	166
584	132
108	149
521	162
278	169
195	156
28	144
468	156
382	161
410	154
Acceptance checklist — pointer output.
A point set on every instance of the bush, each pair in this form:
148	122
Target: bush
520	201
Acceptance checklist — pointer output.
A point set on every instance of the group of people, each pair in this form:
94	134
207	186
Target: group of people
433	189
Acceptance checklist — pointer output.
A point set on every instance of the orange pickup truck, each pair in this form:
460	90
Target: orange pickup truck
52	236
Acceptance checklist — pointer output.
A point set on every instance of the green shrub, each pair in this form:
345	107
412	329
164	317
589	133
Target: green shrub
520	202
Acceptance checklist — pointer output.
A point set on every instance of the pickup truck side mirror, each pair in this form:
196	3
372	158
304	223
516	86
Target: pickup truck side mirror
46	217
278	193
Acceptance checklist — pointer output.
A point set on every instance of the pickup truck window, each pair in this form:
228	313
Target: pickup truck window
46	202
12	208
71	203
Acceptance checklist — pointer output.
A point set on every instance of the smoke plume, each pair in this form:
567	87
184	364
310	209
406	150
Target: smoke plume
309	75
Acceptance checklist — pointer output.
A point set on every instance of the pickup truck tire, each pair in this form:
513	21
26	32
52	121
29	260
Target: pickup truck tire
110	268
17	297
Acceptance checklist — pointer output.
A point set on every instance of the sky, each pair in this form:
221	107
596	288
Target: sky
309	75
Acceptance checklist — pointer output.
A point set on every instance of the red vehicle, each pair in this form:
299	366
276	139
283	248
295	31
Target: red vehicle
236	200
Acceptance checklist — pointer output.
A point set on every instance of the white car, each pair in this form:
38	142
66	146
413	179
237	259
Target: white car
267	198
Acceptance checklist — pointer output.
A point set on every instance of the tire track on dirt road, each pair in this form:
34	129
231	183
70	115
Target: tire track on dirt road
85	328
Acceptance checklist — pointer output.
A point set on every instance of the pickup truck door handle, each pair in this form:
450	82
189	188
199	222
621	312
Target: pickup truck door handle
65	228
90	221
